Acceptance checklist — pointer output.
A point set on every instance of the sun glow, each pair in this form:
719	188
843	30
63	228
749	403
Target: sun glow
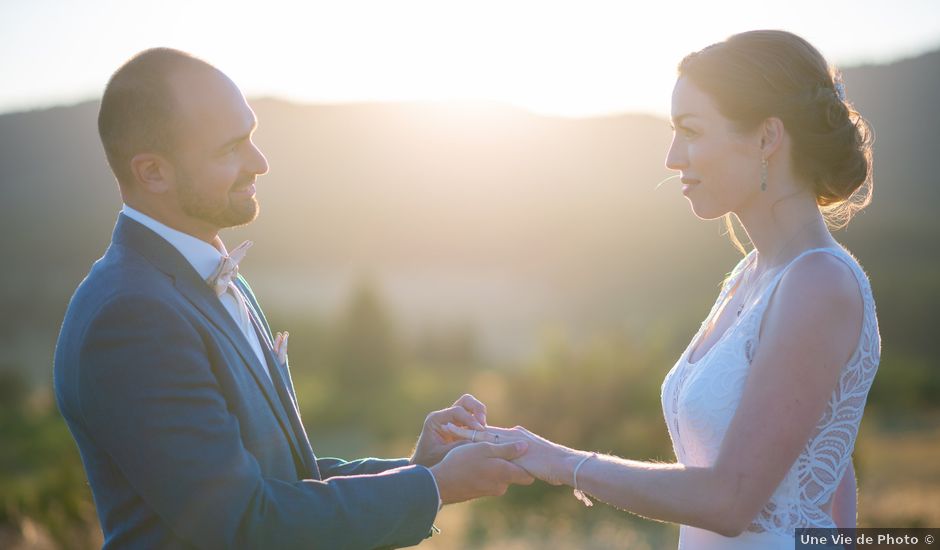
562	58
550	59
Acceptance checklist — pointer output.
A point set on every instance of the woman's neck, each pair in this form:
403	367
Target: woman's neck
786	228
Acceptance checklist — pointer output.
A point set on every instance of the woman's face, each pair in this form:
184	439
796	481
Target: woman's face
720	168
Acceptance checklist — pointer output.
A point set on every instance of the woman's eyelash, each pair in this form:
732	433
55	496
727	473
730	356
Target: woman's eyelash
688	132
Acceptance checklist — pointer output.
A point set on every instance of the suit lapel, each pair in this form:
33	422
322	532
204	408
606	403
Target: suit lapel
166	258
280	376
264	330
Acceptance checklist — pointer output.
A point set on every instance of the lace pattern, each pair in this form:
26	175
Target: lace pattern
699	401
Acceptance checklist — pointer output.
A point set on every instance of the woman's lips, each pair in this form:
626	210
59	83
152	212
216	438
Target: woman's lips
688	184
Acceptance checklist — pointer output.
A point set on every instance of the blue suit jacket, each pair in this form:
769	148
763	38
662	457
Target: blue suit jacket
187	442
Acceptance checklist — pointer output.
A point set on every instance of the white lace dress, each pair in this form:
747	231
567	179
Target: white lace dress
699	400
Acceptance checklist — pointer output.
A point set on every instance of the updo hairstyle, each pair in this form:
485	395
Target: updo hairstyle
756	75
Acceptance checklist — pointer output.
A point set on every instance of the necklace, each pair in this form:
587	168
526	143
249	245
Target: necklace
751	288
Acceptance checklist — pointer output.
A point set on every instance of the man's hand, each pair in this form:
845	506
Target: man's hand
545	460
435	441
480	469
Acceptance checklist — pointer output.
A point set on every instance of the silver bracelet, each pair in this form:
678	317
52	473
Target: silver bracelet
578	493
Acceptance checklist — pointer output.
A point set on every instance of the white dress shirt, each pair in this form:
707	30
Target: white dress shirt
205	259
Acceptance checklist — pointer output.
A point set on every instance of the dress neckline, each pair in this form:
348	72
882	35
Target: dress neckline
697	339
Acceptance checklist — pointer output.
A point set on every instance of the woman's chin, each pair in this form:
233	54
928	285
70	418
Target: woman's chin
703	212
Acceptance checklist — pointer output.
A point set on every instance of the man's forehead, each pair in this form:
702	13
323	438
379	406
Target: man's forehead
207	98
202	84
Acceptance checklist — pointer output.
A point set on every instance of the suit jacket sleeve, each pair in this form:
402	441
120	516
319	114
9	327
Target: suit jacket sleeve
148	395
332	467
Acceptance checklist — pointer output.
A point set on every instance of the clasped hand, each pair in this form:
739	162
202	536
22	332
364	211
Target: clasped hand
462	469
543	459
470	459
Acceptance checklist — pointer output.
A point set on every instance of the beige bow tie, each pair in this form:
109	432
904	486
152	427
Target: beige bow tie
228	268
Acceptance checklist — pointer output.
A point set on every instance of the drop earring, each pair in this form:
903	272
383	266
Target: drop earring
763	174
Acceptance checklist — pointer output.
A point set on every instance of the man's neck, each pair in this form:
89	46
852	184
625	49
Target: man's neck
177	221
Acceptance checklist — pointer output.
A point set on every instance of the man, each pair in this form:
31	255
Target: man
166	370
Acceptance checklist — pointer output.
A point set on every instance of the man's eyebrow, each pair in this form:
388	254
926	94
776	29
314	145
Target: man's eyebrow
243	137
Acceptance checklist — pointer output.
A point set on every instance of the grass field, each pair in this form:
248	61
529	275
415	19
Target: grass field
45	502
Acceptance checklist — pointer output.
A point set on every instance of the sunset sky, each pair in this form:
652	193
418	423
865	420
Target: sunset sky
562	58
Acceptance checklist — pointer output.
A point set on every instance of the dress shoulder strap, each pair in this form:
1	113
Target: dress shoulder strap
761	303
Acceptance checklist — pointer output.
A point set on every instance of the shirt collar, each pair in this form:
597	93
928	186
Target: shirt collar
201	255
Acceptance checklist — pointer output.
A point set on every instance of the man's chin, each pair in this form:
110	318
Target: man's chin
245	214
237	214
235	210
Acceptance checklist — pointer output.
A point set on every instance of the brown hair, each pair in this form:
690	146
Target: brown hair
136	112
756	75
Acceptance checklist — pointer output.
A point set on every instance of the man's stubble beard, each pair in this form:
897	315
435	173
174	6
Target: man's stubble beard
220	213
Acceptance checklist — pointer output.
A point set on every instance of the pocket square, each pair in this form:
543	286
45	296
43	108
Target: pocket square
280	347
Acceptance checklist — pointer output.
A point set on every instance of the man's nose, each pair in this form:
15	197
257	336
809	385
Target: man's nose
258	164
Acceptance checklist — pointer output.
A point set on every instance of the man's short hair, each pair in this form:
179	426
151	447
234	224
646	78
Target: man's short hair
137	108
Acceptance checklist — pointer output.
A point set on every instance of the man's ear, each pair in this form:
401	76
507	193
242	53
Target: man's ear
153	172
771	136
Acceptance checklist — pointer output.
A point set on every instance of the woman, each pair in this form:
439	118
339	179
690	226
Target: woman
763	406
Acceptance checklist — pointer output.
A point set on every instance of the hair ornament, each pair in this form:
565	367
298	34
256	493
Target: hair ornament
840	88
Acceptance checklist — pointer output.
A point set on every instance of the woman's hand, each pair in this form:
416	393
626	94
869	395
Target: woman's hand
435	442
545	460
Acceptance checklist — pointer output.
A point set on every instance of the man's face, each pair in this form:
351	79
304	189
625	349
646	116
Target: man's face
216	163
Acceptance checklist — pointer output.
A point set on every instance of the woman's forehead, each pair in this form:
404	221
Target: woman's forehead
689	101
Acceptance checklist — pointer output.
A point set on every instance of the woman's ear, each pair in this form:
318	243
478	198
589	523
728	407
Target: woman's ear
152	172
771	136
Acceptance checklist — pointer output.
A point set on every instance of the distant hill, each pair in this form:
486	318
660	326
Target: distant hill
900	101
470	210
